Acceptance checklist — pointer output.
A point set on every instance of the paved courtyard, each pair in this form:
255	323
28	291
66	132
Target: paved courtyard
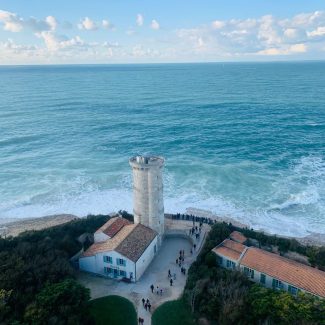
156	274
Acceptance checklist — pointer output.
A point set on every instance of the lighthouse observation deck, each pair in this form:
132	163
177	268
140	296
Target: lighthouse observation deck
146	161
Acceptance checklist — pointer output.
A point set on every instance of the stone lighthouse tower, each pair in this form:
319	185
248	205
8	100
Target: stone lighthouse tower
148	202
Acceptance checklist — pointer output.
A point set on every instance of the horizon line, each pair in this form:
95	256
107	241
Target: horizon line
161	63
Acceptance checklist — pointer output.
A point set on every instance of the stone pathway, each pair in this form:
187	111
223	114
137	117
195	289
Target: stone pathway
156	274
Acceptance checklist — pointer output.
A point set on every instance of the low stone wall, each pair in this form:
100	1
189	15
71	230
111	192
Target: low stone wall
190	217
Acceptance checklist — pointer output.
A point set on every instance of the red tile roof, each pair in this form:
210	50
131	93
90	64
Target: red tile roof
229	248
286	270
136	242
238	237
131	241
113	226
110	244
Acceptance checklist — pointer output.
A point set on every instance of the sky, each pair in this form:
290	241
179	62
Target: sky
148	31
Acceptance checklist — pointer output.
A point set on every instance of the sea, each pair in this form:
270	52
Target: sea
241	140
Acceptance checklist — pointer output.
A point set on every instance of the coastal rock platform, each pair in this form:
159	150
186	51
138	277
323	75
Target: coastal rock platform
14	227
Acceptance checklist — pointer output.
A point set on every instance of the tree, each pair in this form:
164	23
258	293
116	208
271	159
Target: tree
60	303
210	259
4	308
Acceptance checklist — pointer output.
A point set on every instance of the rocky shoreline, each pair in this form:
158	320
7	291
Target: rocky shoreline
314	239
13	227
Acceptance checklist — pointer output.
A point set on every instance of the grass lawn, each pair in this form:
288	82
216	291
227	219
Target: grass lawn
113	310
173	313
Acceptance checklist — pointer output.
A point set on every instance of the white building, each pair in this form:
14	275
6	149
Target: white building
121	250
148	206
269	269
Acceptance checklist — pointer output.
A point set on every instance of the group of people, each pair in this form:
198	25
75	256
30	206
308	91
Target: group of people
196	231
180	260
159	291
146	304
140	320
190	217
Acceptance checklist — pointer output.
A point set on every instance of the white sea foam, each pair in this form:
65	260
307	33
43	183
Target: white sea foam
309	196
104	202
295	207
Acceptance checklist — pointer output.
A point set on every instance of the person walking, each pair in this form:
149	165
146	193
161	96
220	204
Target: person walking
152	288
143	301
157	290
161	292
139	320
171	282
149	307
169	274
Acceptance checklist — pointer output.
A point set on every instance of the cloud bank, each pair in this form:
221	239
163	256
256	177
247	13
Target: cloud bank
267	37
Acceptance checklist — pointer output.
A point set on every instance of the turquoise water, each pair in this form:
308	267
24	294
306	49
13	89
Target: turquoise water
240	140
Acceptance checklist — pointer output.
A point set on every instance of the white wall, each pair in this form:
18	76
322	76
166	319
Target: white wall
145	259
257	275
268	280
224	261
100	237
88	264
96	264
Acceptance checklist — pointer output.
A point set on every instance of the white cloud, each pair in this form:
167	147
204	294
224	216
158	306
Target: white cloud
290	32
306	19
300	36
319	31
154	24
265	35
13	23
140	51
139	20
107	24
54	42
268	32
87	24
11	45
293	49
52	22
218	24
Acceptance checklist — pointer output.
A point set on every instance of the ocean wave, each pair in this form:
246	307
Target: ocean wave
104	202
295	207
310	196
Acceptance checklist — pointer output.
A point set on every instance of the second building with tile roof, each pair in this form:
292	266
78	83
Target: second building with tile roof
269	269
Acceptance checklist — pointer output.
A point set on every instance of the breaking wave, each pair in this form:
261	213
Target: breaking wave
298	214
